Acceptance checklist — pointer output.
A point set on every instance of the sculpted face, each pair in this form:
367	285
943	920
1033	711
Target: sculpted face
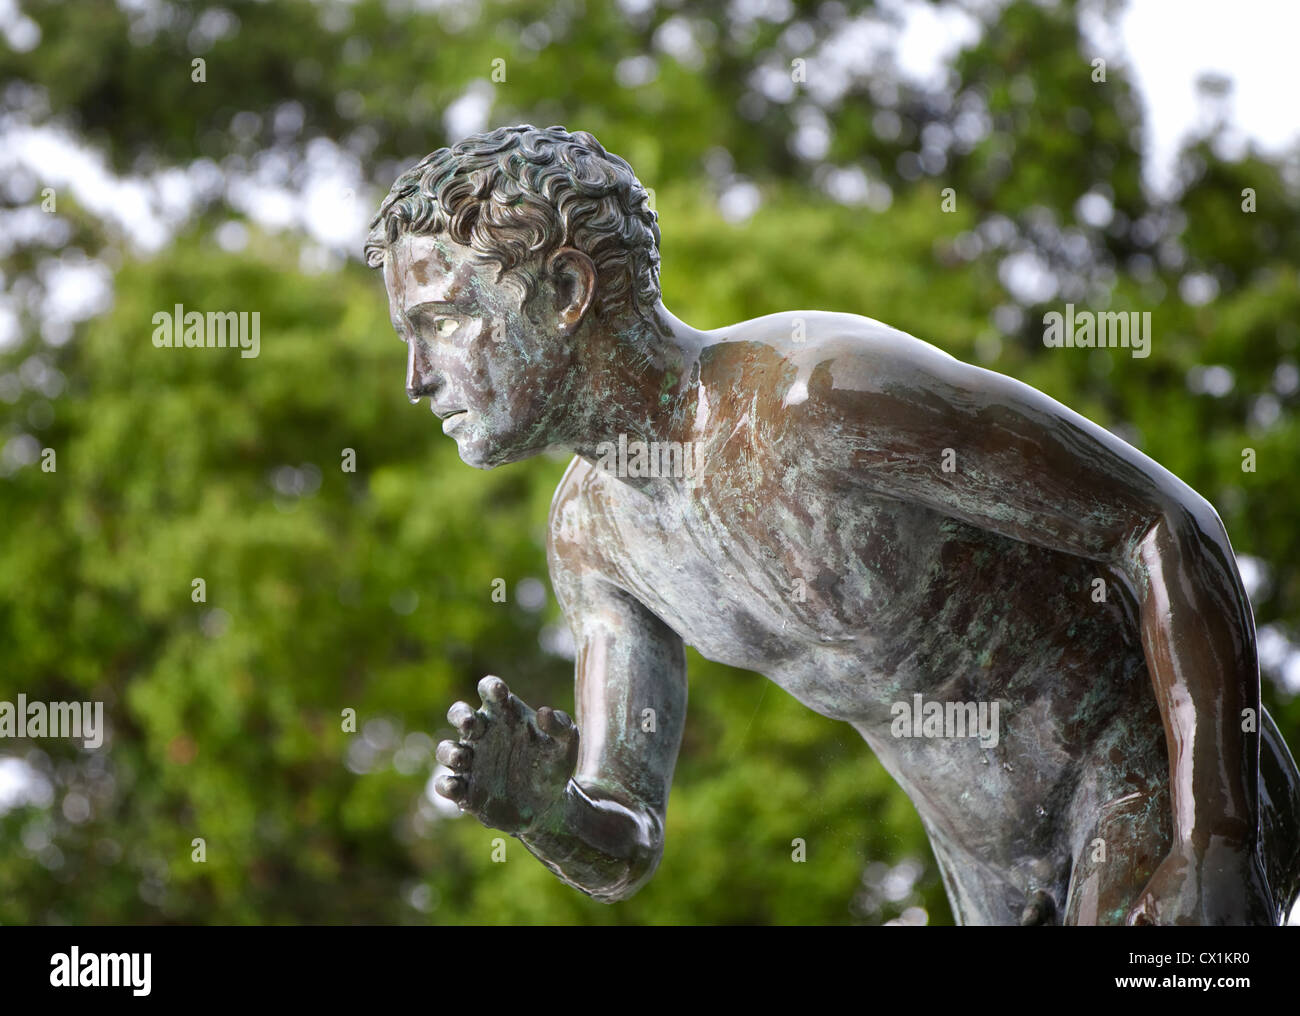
493	372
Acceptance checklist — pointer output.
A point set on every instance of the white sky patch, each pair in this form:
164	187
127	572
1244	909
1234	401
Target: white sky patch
1027	277
1165	49
1279	656
1252	42
330	205
469	113
63	163
739	201
336	208
76	289
21	783
930	37
268	204
20	32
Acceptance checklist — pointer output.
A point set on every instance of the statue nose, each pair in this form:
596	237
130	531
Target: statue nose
421	378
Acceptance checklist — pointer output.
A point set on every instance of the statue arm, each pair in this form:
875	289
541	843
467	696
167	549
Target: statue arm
605	835
587	799
998	454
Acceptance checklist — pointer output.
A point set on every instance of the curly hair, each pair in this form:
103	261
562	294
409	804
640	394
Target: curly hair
515	195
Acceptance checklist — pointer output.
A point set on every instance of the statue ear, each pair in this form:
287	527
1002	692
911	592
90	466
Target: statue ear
575	285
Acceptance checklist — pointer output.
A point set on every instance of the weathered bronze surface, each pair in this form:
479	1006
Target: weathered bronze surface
872	524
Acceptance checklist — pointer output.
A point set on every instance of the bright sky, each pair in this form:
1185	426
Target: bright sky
1165	45
1168	44
1253	42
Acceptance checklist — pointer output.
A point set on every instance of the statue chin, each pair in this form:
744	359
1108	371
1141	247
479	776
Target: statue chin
474	457
481	455
489	450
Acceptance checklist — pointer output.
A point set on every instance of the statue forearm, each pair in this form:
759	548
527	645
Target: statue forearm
596	844
1199	641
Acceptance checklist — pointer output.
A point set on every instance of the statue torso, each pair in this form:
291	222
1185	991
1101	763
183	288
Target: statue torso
854	602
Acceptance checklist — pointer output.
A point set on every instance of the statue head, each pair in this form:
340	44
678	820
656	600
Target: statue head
500	255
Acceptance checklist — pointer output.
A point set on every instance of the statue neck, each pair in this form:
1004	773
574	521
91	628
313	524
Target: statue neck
639	382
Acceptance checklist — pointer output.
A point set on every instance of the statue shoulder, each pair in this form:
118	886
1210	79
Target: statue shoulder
585	553
572	546
566	502
791	352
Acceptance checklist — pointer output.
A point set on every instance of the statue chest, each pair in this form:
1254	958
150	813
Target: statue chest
762	582
850	603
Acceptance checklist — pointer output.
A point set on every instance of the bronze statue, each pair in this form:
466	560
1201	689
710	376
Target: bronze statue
900	540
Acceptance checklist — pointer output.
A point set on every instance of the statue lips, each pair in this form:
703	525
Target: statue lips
449	419
443	413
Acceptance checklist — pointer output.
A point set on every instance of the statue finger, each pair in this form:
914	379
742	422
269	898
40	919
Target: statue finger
453	788
555	723
493	689
454	756
467	720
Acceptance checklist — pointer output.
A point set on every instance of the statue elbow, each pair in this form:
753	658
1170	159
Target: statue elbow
637	872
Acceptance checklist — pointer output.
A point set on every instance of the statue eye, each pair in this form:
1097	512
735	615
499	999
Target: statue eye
444	326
